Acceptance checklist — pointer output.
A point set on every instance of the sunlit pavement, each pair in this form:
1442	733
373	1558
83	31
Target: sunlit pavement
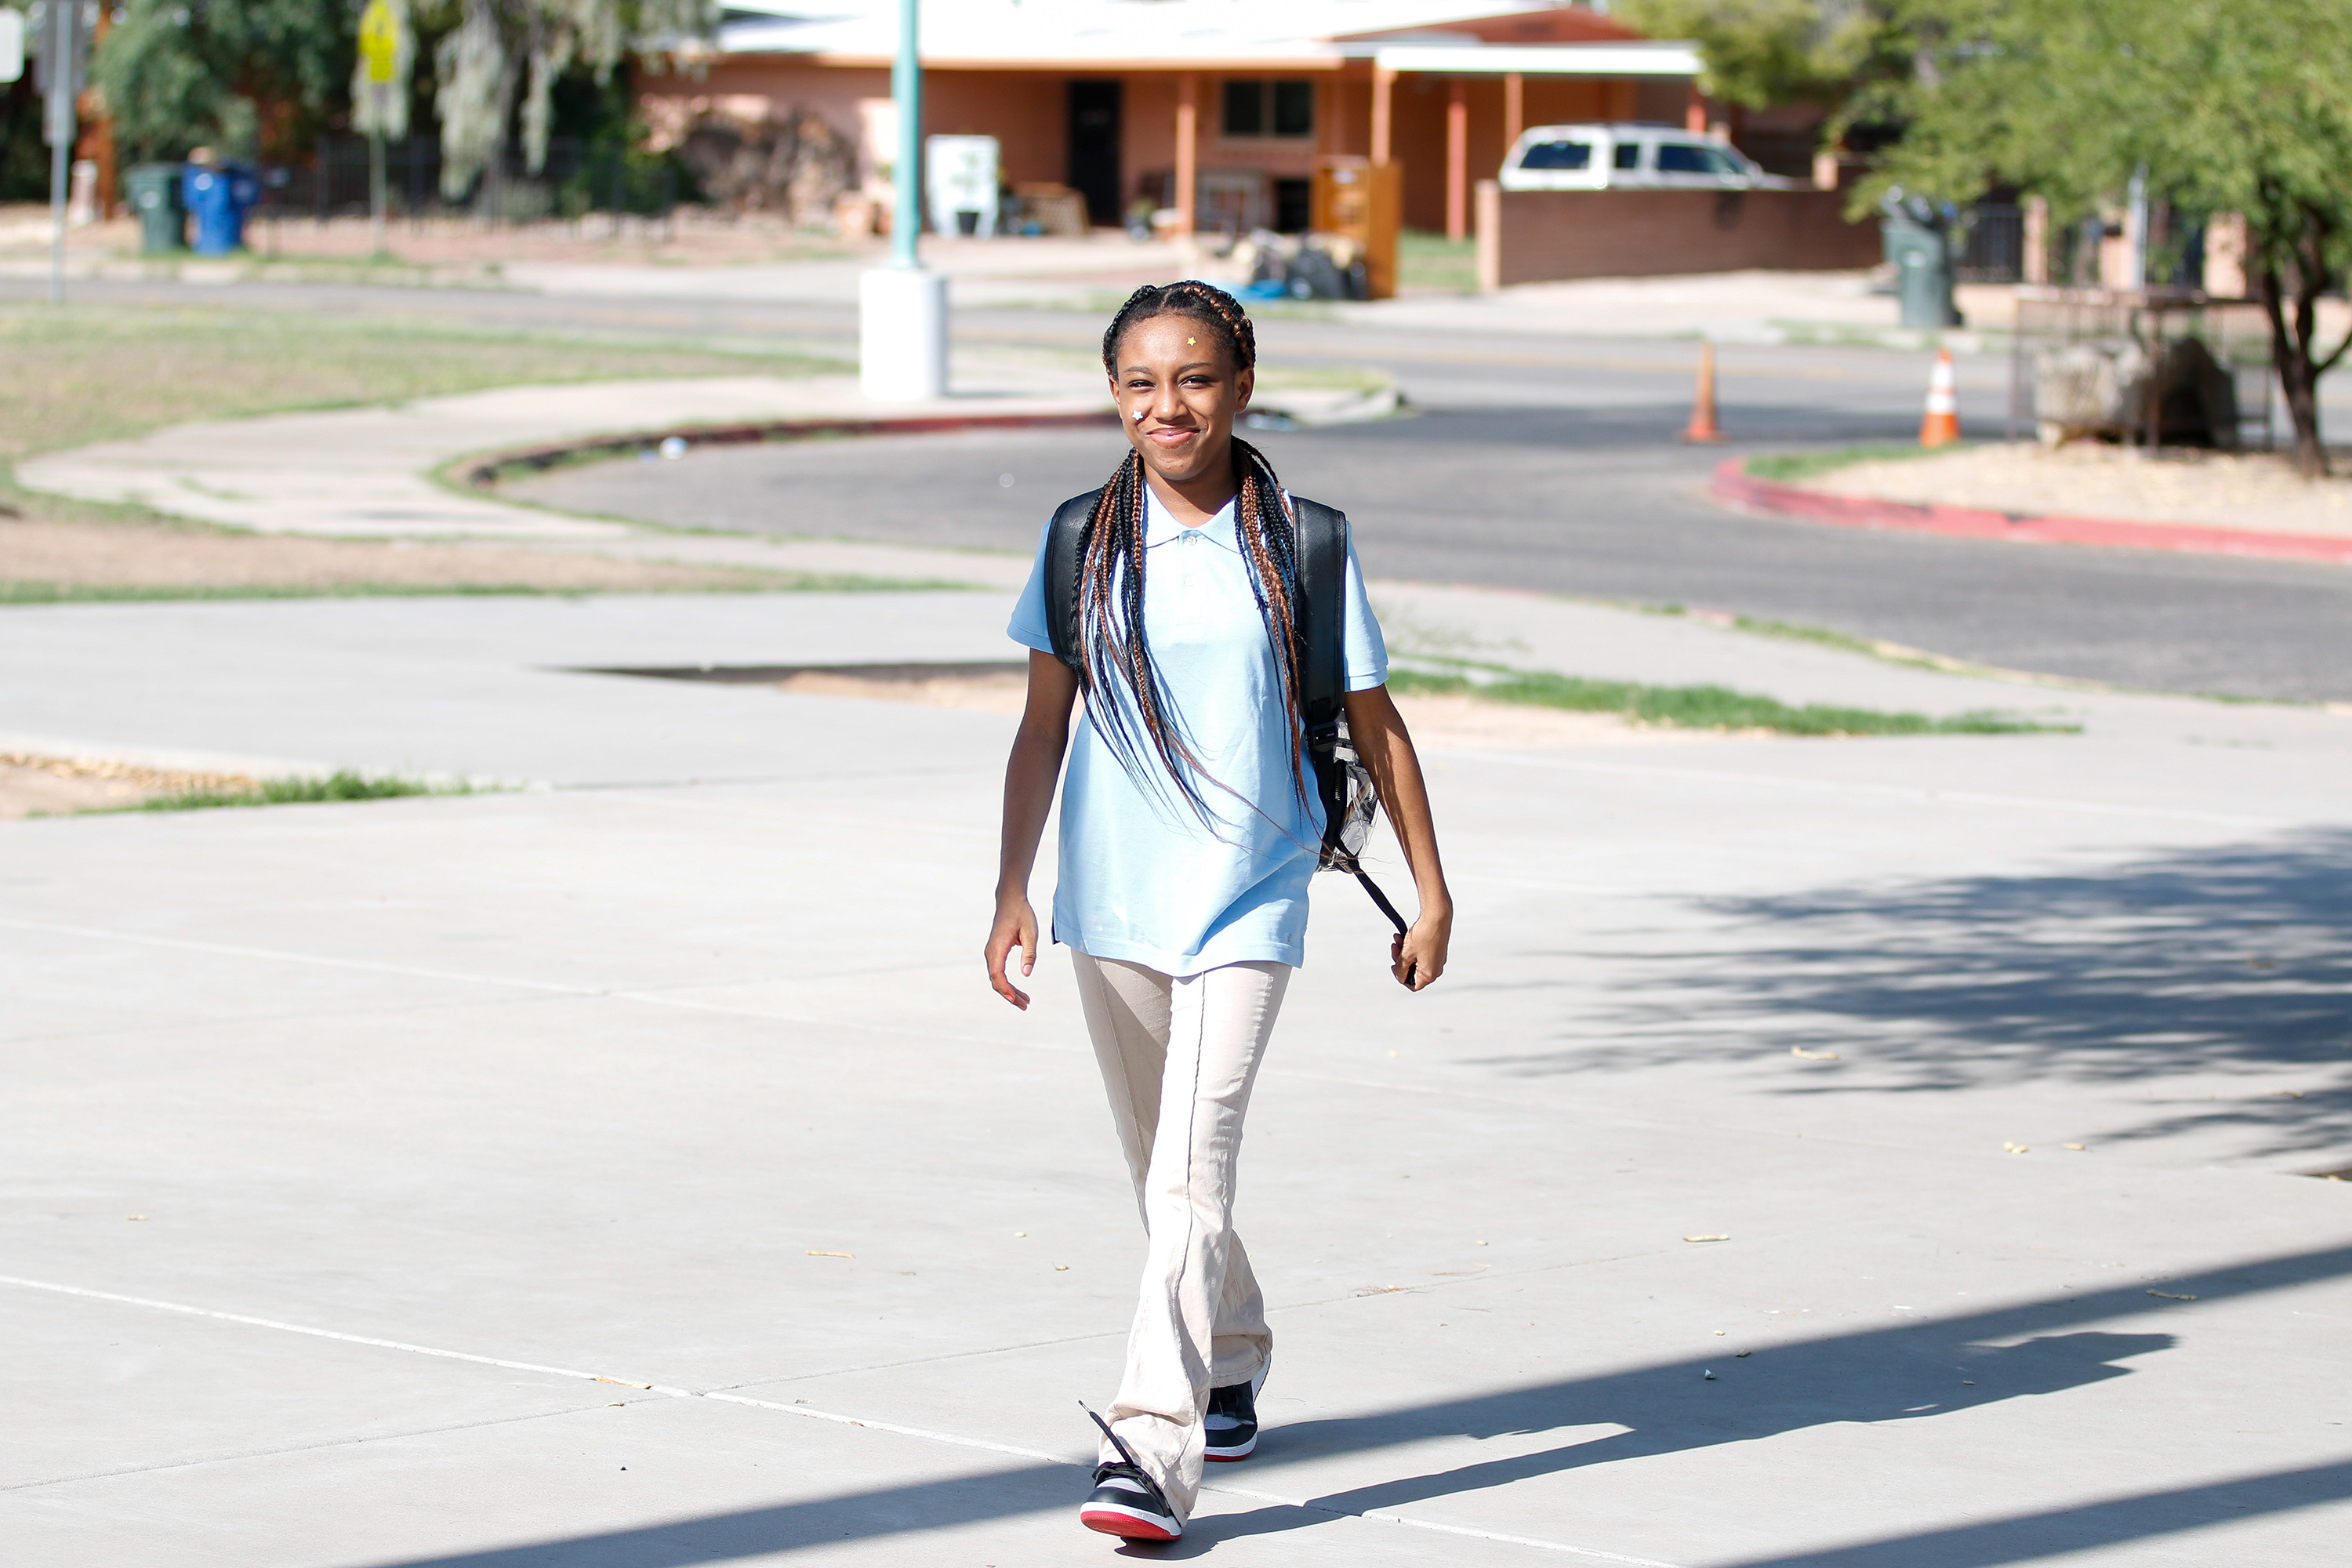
469	1181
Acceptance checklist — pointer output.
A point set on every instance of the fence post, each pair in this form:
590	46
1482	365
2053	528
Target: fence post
319	178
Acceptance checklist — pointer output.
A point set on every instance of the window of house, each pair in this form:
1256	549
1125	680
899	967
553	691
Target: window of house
1256	108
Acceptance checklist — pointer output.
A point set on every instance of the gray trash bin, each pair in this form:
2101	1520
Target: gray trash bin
1919	238
154	190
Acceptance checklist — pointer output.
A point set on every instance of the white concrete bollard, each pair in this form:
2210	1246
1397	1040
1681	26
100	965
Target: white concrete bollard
902	335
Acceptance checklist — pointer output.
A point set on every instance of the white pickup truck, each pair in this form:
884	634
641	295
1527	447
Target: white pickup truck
1618	156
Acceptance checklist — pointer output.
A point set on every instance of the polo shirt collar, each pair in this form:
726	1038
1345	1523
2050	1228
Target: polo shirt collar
1161	527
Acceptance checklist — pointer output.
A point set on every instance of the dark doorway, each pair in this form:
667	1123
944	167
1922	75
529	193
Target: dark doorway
1094	148
1293	205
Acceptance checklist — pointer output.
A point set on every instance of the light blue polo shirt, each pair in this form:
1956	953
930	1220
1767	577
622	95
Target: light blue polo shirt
1143	877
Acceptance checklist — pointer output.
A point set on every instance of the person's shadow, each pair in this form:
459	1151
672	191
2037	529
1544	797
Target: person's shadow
1675	1409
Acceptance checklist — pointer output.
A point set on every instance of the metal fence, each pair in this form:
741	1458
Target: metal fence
579	177
1996	242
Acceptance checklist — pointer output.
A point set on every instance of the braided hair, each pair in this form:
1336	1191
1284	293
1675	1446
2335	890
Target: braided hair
1111	564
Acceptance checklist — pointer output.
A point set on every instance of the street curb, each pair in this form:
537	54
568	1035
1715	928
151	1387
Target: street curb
482	471
1734	486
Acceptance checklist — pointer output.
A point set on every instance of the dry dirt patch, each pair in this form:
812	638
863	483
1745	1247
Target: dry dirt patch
45	559
2219	490
58	786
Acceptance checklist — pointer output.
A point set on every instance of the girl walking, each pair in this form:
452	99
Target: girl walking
1190	828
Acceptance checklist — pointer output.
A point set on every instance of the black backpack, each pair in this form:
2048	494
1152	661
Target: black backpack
1341	781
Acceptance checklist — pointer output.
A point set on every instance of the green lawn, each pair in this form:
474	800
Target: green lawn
94	372
1702	707
1790	467
1430	263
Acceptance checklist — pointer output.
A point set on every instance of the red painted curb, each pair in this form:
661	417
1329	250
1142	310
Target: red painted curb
1736	487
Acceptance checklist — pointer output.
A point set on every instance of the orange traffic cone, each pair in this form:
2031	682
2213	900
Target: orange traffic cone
1941	428
1702	427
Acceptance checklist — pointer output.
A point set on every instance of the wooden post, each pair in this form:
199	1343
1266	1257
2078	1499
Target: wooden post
98	143
1383	89
1188	152
1457	160
1515	107
1384	220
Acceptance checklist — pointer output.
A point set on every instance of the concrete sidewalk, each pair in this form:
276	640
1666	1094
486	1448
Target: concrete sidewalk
370	472
493	1157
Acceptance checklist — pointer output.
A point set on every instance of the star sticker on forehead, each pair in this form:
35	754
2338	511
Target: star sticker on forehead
1190	342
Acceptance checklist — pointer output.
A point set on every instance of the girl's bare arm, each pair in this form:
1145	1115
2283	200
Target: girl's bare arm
1419	956
1030	773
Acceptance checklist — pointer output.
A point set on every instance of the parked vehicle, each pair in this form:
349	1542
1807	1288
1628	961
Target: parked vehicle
1629	156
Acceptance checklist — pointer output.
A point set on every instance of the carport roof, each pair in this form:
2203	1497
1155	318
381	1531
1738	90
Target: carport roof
1176	35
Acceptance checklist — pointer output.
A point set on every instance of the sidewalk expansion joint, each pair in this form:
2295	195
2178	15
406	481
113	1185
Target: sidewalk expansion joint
922	1433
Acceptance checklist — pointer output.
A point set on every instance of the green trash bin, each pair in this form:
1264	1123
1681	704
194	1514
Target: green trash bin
1918	239
154	193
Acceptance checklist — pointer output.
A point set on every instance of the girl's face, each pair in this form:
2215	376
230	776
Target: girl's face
1179	394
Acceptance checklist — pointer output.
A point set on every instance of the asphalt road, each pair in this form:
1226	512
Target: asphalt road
1598	500
1540	462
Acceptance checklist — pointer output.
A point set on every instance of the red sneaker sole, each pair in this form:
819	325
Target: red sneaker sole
1128	1525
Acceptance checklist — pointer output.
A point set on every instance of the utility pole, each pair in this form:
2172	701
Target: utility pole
58	69
907	90
902	308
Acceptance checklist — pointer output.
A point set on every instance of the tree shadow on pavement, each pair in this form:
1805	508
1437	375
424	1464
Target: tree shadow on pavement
1904	1377
2226	960
1908	1371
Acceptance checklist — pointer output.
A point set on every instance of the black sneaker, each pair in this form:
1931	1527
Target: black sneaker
1125	1502
1231	1422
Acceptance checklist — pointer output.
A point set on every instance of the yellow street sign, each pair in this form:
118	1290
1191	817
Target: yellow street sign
379	39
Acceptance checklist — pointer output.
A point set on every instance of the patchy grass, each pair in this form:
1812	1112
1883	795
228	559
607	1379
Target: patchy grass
95	373
343	786
86	552
1702	707
747	581
1789	468
1432	264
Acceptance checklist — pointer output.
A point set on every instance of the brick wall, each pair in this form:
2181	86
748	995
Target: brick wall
1535	236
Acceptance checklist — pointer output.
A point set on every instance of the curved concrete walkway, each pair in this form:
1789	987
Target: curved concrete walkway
370	472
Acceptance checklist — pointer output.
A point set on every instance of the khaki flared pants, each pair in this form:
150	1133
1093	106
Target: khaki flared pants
1179	1056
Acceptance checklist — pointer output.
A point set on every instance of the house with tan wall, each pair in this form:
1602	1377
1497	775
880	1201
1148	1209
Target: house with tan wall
1219	109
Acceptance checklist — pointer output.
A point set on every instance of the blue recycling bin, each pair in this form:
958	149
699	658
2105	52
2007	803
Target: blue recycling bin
217	198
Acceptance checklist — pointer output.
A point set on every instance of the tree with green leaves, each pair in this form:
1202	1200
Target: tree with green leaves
1759	53
234	74
2230	106
177	74
503	57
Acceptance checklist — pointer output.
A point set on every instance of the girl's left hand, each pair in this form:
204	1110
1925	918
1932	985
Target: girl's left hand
1015	927
1417	956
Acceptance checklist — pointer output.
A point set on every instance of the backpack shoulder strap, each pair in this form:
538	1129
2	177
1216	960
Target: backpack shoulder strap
1341	777
1321	609
1065	549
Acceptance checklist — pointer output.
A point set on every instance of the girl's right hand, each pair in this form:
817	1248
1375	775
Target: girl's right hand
1016	926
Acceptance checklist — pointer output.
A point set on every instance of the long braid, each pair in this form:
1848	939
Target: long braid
1111	569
